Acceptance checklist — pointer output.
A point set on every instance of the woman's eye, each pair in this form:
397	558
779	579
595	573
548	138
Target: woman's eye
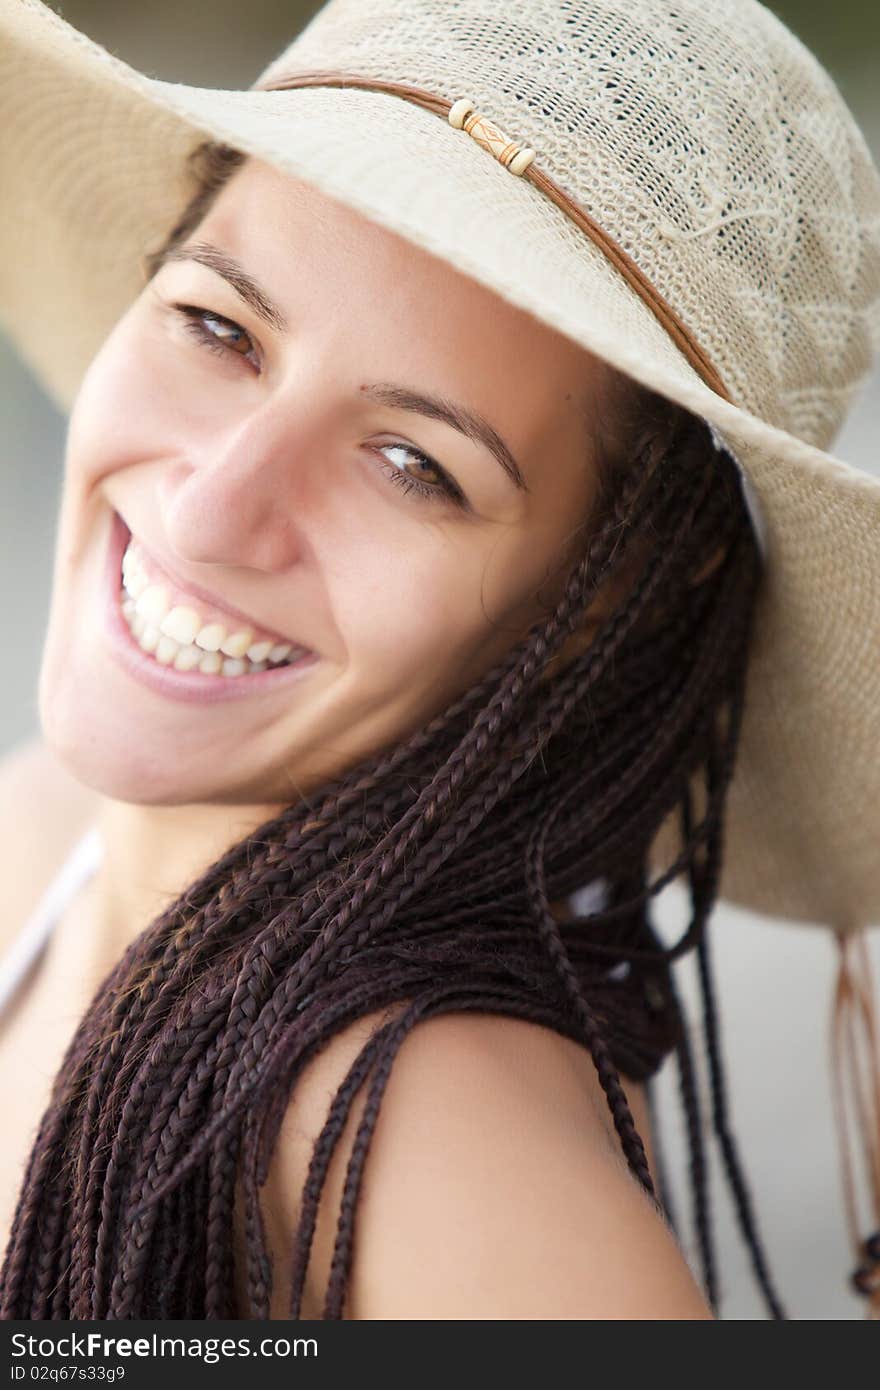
431	481
218	333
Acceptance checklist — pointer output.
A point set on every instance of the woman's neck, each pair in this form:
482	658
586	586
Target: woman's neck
152	853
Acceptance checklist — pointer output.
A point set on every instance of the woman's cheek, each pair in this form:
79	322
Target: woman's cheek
129	408
105	410
414	624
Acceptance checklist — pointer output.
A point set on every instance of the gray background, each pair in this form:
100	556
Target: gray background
774	979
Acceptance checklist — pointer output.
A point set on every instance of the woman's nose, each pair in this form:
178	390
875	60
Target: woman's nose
242	496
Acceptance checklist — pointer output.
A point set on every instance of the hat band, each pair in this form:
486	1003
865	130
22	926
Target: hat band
521	162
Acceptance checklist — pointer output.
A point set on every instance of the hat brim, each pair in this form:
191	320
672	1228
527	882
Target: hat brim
93	174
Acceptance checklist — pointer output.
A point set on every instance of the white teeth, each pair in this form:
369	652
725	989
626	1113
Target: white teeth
135	582
166	650
187	658
237	643
154	603
182	624
210	636
149	638
176	636
131	562
183	656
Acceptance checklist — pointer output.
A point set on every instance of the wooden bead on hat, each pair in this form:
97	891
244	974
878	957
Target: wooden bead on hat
463	115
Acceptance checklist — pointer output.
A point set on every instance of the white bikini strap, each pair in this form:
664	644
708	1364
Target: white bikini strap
82	861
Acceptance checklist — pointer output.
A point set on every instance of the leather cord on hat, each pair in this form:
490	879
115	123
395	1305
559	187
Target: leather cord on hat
855	1060
662	310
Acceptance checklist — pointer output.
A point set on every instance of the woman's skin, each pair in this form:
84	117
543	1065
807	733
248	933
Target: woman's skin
264	477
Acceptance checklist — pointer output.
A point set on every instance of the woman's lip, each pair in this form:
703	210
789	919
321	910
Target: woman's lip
188	686
221	606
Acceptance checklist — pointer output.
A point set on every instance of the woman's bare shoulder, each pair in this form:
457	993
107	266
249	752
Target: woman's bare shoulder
493	1187
43	810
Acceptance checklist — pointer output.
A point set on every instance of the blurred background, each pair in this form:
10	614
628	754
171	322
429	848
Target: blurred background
777	1056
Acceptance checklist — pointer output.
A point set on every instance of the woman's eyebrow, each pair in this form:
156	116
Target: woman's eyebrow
232	270
467	422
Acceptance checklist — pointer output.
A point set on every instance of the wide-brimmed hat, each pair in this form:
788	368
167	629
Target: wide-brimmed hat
679	188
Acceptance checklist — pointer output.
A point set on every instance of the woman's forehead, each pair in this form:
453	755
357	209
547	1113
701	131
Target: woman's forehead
263	209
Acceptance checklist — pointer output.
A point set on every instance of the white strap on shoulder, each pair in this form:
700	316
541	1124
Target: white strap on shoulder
79	865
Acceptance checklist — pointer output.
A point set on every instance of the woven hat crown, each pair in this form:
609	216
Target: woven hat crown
702	136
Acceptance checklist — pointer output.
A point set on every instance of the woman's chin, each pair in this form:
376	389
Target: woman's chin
108	747
96	743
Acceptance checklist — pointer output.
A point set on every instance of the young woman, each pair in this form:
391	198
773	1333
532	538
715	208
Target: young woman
390	626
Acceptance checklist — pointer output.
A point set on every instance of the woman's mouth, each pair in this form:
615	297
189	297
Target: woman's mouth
178	644
175	629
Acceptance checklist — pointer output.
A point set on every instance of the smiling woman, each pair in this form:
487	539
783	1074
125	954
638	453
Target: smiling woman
467	611
263	491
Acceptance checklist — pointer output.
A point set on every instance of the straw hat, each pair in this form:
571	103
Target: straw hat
679	188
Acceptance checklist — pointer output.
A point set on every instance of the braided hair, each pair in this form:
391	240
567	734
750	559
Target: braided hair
422	881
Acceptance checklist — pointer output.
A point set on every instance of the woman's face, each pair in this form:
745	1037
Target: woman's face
266	460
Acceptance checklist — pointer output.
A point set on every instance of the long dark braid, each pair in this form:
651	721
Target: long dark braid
420	882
